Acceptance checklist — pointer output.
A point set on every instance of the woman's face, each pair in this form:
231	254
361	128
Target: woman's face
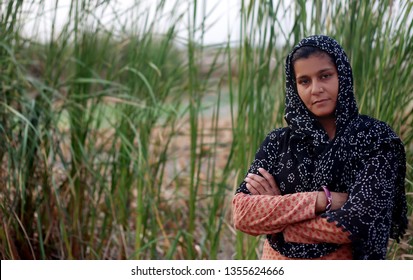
317	84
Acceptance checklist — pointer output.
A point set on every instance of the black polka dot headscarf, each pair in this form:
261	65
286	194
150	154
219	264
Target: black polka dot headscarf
297	115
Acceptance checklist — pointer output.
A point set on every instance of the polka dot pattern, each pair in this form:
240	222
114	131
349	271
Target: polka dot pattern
366	159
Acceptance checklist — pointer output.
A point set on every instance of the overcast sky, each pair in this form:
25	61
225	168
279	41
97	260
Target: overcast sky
221	20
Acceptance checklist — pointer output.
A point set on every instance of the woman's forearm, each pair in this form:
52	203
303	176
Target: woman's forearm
317	230
264	214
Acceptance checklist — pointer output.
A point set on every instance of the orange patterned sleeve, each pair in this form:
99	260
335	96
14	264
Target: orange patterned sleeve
316	230
264	214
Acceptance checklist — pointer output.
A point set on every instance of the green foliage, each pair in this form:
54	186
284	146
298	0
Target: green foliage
118	143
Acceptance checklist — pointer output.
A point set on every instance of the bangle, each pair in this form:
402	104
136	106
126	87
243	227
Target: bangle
329	198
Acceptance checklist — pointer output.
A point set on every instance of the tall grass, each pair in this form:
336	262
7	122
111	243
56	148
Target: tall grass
128	141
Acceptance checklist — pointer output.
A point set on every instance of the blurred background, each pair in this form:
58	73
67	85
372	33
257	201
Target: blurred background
126	126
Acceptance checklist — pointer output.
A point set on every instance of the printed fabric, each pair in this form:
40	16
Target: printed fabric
366	159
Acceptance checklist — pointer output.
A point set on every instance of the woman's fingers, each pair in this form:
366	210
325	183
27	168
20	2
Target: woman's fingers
262	185
269	177
259	179
255	184
253	190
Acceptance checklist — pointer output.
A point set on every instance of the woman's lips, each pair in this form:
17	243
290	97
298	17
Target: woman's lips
320	101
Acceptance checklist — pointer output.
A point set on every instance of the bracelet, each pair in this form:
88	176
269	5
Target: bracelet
329	198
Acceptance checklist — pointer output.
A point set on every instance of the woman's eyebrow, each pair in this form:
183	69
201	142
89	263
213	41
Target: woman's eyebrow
326	69
319	72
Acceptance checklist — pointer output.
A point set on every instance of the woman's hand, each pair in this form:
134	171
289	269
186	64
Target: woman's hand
258	185
338	200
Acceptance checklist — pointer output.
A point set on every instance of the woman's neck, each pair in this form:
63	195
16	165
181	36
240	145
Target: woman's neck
329	125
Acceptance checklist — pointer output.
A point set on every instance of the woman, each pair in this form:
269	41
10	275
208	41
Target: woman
330	185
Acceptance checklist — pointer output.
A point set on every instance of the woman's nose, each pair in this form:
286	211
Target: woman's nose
316	87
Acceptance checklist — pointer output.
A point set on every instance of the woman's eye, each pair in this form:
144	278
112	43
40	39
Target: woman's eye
325	76
303	82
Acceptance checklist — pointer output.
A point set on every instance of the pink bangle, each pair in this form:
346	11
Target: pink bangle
329	198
